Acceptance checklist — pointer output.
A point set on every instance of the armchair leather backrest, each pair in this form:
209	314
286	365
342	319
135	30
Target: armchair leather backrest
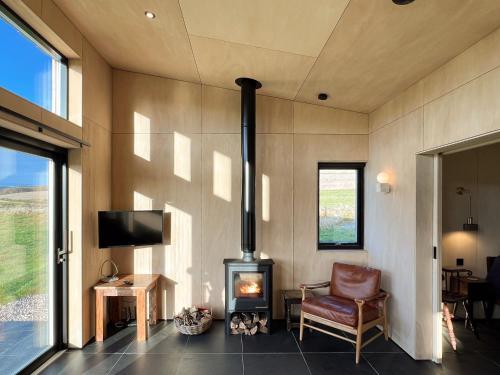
350	281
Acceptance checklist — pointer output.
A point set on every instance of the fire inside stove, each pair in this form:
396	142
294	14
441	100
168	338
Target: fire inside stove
248	284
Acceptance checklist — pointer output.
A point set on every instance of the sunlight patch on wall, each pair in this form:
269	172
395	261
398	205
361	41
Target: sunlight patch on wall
182	156
143	260
222	176
142	202
179	258
142	137
266	198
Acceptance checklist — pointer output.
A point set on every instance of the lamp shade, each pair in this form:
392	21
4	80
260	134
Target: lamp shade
383	178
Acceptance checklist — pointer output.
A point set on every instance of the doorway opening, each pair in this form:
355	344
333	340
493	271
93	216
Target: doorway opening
470	254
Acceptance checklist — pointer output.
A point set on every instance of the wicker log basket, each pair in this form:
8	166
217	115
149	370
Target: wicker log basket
193	321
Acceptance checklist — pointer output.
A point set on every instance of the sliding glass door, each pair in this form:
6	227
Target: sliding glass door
31	269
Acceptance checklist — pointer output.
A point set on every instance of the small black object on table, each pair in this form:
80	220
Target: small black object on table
292	297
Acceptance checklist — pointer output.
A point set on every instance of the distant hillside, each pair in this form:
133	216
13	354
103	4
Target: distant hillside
23	189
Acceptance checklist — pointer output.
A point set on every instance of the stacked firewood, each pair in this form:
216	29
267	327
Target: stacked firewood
248	323
193	316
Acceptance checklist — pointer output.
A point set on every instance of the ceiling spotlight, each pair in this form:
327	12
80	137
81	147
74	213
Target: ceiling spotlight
323	96
149	14
402	2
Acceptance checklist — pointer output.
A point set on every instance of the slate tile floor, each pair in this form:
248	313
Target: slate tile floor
213	353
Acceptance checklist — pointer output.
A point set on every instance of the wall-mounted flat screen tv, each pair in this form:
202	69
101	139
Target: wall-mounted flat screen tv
130	228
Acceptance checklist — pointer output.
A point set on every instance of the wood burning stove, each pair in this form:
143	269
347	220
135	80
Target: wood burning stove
248	280
249	288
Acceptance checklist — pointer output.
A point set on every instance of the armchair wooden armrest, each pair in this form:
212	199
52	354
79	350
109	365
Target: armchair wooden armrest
323	284
382	296
305	287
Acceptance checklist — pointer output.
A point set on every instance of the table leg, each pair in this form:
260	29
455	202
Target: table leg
100	316
142	323
153	302
288	313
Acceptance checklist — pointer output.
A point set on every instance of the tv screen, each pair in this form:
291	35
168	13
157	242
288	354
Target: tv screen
130	228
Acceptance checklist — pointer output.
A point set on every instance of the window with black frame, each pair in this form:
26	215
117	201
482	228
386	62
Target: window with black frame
340	205
30	67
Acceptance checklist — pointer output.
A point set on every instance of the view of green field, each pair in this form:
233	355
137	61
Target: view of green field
337	210
23	245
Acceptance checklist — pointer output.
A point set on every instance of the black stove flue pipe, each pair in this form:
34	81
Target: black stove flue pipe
248	88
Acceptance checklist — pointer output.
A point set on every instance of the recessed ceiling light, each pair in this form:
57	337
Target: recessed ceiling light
323	96
149	14
402	2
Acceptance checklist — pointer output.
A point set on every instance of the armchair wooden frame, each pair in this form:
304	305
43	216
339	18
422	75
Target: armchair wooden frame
358	331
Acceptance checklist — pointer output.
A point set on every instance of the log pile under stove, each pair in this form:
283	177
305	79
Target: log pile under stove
248	323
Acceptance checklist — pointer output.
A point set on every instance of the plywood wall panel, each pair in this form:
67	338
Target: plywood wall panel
393	251
274	115
148	104
221	192
274	209
309	264
470	64
97	101
170	181
220	110
401	105
315	119
468	111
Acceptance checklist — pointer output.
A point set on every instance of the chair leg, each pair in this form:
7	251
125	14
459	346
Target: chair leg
386	330
449	324
301	326
359	339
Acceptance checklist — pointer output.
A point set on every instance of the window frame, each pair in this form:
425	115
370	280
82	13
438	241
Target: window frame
360	195
36	38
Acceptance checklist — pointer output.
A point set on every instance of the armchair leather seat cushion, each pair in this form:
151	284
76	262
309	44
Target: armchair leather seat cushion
338	309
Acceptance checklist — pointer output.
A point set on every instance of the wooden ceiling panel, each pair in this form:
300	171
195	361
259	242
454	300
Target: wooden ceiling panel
220	63
128	40
379	49
295	26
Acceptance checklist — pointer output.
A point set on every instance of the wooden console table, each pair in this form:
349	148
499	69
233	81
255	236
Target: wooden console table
143	286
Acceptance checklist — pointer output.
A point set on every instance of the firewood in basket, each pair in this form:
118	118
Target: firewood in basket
263	322
253	331
263	329
242	325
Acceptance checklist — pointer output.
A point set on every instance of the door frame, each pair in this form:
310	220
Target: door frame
58	155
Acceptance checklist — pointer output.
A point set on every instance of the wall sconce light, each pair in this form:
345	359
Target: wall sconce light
383	185
469	225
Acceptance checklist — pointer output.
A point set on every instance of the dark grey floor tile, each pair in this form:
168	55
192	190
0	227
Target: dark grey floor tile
468	363
379	345
317	342
211	364
161	343
336	363
116	343
489	338
493	356
214	341
276	364
400	363
165	364
82	363
278	342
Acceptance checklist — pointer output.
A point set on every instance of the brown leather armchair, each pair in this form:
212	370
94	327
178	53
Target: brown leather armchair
354	305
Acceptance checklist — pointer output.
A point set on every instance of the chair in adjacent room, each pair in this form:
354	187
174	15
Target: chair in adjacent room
355	303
